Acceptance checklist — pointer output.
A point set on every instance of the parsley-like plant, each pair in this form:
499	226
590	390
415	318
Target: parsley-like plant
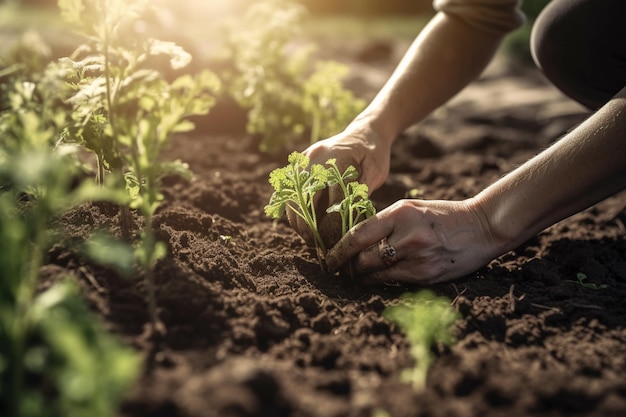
125	110
295	188
427	320
284	95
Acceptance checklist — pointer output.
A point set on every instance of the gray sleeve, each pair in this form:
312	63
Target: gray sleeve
493	16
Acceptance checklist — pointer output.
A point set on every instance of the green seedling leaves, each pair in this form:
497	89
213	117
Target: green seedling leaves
427	320
125	110
295	188
110	252
51	336
356	205
581	279
284	95
329	106
88	367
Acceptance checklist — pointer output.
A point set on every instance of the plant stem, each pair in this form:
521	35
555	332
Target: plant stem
100	170
125	216
149	275
23	311
345	225
308	211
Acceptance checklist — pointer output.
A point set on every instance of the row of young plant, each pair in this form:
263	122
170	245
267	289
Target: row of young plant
56	359
108	98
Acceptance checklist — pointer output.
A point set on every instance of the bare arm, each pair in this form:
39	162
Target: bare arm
442	240
583	168
445	57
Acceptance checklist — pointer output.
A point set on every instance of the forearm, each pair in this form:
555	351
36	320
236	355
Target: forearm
583	168
446	56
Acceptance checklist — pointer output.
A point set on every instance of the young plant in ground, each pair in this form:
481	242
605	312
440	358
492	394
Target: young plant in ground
581	279
125	111
55	359
284	95
295	188
30	97
328	106
427	320
355	205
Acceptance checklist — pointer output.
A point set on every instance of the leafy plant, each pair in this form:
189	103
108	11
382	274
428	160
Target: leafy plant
356	205
327	105
581	279
284	97
296	185
125	110
55	359
427	320
31	114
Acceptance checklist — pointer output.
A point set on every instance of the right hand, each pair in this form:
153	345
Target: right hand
359	147
432	240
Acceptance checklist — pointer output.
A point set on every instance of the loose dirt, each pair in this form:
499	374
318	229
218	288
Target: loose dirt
254	328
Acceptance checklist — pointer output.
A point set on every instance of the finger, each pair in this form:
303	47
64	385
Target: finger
393	275
374	258
402	272
359	238
387	276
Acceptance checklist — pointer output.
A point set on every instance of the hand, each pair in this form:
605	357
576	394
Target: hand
356	146
434	241
359	147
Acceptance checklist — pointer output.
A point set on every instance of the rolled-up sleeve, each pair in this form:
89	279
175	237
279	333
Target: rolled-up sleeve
493	16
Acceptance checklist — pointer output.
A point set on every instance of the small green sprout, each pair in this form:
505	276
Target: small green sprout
296	185
356	205
581	279
226	239
284	96
426	319
415	193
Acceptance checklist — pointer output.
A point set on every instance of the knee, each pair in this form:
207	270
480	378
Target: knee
575	43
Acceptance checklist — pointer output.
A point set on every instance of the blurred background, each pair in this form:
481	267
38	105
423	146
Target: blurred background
354	7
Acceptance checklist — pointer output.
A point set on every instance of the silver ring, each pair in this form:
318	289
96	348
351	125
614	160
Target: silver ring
387	252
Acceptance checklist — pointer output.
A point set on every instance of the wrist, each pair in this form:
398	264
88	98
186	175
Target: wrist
378	130
496	238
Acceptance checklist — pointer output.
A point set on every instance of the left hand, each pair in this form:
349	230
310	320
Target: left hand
433	241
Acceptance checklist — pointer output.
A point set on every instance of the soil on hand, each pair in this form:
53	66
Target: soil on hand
255	328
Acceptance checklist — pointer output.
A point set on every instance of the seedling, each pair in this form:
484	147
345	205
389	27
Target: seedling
581	279
295	188
356	205
55	359
284	95
427	320
125	111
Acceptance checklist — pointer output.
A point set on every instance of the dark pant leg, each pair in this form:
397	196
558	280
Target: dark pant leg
580	45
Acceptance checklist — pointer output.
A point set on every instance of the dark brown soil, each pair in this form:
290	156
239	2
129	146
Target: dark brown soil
254	328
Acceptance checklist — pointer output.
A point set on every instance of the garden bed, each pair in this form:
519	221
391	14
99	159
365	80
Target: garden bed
254	328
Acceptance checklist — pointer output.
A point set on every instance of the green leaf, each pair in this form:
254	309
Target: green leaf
110	252
179	58
427	320
71	11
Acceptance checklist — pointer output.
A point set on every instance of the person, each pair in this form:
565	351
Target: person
580	45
